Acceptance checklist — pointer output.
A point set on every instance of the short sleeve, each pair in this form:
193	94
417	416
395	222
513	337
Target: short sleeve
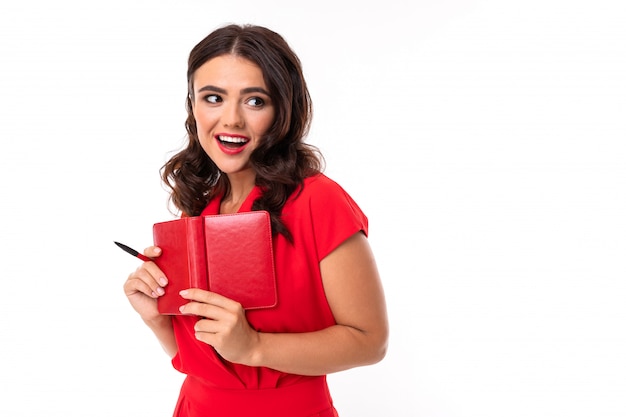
335	216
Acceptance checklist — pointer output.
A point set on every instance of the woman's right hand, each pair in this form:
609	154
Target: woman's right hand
145	285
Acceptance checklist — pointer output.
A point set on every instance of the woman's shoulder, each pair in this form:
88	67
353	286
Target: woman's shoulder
322	192
332	211
319	183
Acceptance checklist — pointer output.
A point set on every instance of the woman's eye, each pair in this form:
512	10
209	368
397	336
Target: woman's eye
256	102
213	98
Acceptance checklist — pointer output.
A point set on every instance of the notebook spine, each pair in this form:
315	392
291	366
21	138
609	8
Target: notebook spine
198	270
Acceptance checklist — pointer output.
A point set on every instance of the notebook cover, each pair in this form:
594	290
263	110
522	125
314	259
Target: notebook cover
183	260
230	254
240	258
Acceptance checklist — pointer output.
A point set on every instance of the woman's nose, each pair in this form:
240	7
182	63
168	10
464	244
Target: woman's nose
232	116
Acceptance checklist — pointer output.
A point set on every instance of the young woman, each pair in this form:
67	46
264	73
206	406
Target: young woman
249	111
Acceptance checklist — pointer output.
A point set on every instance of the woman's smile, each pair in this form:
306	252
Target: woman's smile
232	144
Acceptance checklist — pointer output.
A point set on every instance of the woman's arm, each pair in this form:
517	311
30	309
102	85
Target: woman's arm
142	288
163	330
356	298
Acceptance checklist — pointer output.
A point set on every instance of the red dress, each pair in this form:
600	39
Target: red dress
320	218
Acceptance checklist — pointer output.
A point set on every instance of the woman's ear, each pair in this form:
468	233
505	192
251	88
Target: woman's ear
190	95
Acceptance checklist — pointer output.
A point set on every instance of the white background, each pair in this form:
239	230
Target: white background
484	139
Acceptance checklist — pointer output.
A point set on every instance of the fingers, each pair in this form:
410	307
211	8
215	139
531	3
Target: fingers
217	314
152	251
208	304
222	324
148	279
155	273
208	297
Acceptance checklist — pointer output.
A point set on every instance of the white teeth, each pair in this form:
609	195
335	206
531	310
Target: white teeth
231	139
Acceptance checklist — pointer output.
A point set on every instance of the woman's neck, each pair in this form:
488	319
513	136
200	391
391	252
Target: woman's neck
240	188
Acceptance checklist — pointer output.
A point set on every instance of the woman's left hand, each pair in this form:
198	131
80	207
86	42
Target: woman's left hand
222	324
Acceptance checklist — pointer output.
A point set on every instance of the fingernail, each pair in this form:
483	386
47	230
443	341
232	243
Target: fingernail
181	308
160	291
163	281
184	293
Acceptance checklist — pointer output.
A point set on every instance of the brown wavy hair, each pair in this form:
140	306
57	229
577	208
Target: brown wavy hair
282	159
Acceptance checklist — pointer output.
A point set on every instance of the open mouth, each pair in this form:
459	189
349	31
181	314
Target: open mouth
232	142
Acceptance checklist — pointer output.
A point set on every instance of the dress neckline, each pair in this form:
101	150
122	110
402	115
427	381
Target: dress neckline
213	207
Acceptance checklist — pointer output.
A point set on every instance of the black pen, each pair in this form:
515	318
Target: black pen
133	252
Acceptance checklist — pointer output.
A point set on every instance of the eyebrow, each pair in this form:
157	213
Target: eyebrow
242	91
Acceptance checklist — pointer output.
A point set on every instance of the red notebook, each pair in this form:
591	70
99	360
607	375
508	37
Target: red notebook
230	254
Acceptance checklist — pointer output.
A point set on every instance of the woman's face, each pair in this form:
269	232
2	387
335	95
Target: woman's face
233	110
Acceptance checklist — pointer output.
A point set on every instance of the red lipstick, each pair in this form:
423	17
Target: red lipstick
231	144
